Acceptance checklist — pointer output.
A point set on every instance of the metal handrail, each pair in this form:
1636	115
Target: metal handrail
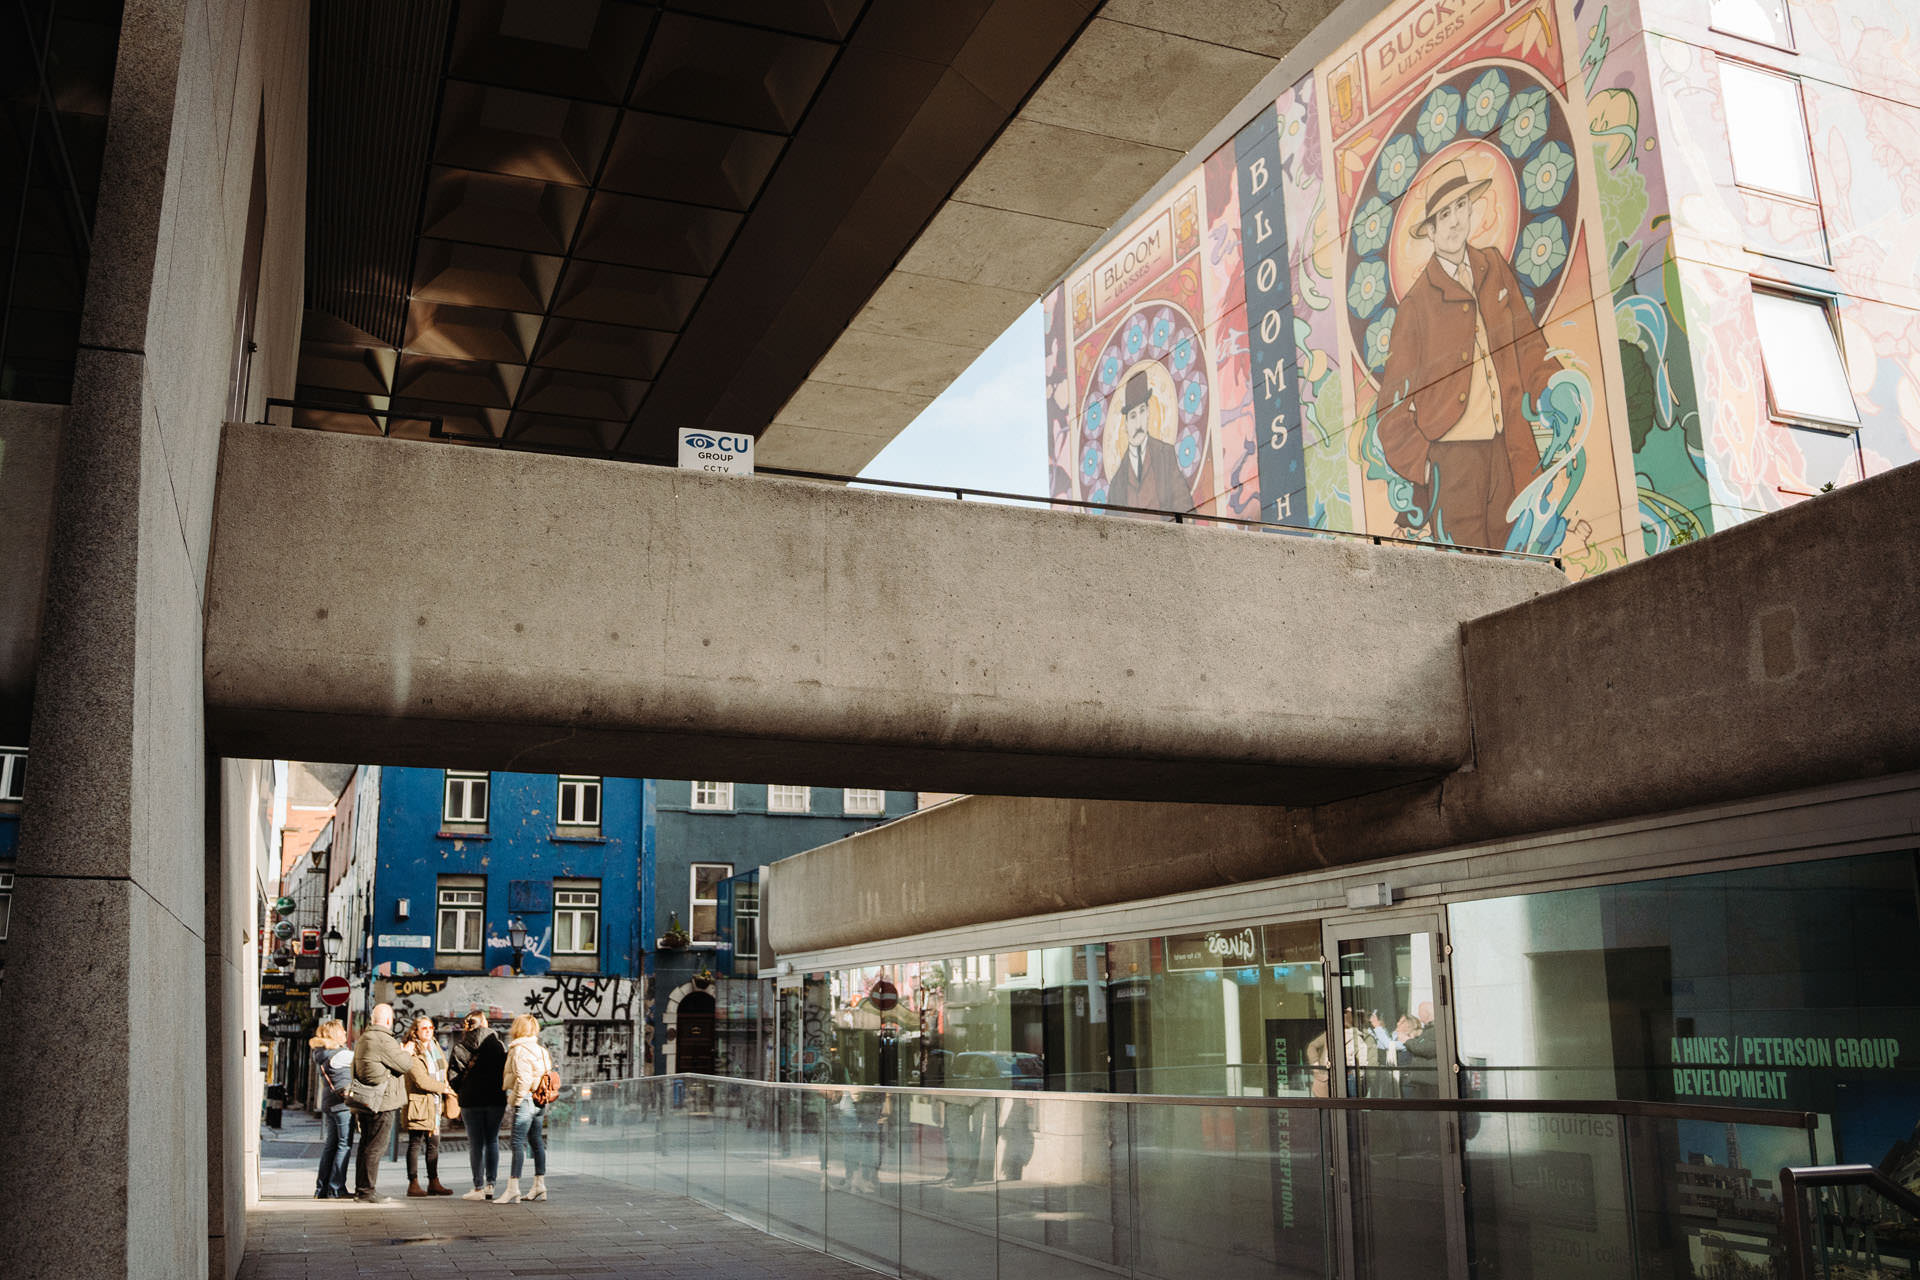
438	431
1794	1227
1624	1108
432	420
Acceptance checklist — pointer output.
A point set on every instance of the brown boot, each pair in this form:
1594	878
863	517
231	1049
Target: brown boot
435	1189
414	1188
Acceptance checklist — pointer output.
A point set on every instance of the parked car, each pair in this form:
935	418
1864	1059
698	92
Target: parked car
979	1069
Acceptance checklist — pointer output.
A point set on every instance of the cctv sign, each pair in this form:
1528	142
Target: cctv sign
725	454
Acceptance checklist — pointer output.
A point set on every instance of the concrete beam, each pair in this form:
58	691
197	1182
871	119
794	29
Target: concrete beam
1781	654
498	609
29	449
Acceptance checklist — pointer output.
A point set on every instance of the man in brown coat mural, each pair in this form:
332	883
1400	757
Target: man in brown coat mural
1465	349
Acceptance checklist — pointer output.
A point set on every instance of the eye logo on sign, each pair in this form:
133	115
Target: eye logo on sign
722	454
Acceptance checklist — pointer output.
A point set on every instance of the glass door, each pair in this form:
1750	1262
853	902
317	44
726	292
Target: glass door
1388	1037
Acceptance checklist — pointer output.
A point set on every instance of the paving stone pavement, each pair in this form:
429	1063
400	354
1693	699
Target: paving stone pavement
591	1227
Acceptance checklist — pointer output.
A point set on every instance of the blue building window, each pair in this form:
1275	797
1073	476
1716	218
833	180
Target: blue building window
463	913
576	917
580	805
13	773
466	800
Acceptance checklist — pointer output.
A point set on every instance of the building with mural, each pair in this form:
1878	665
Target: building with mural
1580	278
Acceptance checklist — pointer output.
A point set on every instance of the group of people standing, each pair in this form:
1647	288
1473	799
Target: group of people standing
482	1082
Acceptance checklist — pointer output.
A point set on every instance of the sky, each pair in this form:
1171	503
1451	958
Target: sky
986	431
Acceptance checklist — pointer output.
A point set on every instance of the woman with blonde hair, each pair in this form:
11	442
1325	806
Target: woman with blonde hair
527	1061
426	1089
333	1067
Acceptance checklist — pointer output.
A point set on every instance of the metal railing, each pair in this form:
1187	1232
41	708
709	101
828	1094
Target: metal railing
436	430
967	1183
1849	1220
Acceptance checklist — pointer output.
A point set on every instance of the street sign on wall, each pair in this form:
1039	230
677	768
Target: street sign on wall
722	452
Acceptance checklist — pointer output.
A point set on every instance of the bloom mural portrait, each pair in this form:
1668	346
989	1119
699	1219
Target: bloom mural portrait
1486	275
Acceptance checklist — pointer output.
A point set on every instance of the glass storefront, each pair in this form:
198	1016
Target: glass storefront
1794	986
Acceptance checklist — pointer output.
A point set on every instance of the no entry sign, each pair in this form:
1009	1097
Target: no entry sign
334	991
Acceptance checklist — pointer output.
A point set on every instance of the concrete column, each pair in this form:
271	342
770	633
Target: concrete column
110	929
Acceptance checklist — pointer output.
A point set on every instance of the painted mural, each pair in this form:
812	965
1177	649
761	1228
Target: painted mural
1390	319
1137	419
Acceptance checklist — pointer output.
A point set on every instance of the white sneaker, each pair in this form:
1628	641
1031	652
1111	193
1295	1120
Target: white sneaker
539	1191
511	1194
479	1193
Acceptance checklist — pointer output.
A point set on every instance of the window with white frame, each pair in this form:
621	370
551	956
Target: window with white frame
856	800
746	927
466	802
6	903
462	926
703	904
576	917
1763	20
789	799
580	802
13	773
1767	131
713	795
1800	347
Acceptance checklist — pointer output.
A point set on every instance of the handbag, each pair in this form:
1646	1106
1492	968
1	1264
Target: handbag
452	1106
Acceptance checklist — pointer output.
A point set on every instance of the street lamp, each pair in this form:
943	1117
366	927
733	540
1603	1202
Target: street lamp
332	943
517	935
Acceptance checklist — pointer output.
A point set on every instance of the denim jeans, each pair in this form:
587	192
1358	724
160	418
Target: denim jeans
336	1152
529	1128
483	1143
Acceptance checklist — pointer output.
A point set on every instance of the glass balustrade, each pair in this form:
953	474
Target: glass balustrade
1028	1185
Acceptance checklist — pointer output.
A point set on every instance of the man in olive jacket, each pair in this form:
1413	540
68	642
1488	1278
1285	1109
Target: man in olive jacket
378	1060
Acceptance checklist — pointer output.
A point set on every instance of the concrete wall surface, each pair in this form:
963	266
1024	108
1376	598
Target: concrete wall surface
29	448
110	924
1781	654
573	615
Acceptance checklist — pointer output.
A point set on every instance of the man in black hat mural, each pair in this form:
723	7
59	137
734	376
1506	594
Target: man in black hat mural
1148	473
1465	351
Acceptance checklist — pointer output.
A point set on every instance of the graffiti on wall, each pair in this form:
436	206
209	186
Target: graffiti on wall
564	995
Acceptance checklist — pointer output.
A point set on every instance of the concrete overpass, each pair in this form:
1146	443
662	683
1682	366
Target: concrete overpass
1778	655
600	617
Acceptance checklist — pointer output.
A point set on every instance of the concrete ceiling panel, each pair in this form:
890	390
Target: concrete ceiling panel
918	366
1146	86
1270	27
1061	173
914	306
837	453
996	247
864	411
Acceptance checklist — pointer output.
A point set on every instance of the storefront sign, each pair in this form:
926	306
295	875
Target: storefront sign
1215	949
404	940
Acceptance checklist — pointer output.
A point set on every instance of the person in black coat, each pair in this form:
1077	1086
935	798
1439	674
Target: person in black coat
477	1068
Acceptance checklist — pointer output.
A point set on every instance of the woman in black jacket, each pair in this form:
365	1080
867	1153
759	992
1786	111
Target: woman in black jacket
475	1069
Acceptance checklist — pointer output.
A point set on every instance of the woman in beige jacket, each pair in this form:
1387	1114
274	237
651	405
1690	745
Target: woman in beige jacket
527	1061
426	1089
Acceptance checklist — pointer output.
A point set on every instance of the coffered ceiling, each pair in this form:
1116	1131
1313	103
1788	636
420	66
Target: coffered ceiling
581	224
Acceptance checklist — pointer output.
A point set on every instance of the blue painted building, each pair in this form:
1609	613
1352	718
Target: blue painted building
597	878
464	856
711	836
